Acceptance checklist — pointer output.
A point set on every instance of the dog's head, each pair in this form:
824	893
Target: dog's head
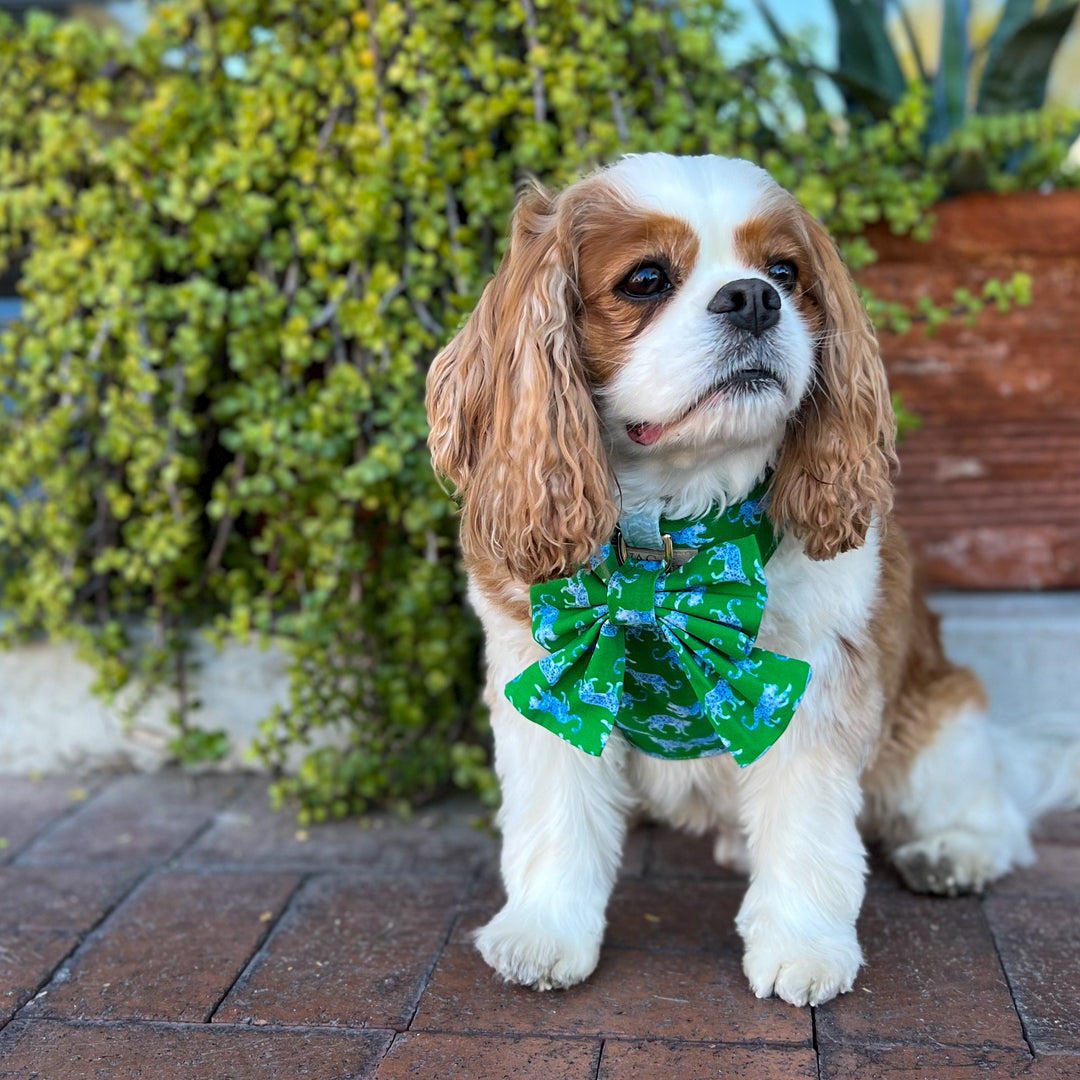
657	310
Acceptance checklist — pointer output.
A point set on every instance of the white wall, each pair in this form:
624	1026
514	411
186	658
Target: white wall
51	722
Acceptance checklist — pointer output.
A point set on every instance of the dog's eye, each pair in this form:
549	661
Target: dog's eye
645	282
784	273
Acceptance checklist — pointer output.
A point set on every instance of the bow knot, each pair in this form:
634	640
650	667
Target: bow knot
631	594
665	653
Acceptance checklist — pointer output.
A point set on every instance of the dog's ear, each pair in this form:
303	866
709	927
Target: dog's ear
835	469
513	424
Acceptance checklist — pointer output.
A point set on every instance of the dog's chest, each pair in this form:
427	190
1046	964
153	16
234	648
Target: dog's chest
811	604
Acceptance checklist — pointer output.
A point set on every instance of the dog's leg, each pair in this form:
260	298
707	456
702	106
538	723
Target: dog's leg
563	821
949	820
800	805
730	851
807	873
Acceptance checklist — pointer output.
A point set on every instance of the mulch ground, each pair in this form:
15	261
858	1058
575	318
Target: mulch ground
174	928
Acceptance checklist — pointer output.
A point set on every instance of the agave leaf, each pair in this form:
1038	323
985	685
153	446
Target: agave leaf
950	83
913	41
872	98
867	57
1013	15
868	97
1015	79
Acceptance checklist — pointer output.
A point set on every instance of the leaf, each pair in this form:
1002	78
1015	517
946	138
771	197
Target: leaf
1015	79
866	55
775	28
867	95
1013	15
954	65
807	93
913	41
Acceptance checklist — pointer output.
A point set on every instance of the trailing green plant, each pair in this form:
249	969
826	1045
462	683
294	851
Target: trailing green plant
899	318
242	238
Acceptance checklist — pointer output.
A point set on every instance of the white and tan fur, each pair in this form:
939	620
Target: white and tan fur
533	410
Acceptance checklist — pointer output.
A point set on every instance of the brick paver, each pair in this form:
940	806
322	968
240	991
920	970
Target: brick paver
484	1057
27	807
48	1050
1055	873
171	927
351	952
939	1063
669	995
137	819
927	961
675	915
1039	942
172	951
27	958
682	855
441	842
644	913
1061	828
660	1061
60	897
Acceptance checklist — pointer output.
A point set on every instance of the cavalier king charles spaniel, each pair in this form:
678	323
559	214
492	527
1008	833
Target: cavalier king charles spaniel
660	339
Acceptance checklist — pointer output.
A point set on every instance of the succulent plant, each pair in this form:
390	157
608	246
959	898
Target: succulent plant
869	74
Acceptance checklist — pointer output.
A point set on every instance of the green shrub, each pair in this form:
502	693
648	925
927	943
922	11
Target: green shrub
242	239
245	237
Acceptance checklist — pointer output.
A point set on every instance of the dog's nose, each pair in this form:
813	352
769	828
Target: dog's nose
749	303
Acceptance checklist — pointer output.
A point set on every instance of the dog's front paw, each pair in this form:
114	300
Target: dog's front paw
526	948
802	973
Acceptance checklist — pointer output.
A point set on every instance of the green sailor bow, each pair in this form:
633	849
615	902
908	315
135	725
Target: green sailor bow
665	652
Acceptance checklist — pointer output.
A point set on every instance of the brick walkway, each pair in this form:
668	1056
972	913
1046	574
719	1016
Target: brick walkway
174	929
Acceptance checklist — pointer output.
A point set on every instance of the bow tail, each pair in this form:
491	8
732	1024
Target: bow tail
576	691
750	700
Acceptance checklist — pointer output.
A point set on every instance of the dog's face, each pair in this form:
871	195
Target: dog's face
699	311
663	309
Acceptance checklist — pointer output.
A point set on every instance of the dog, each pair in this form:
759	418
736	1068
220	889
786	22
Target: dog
662	339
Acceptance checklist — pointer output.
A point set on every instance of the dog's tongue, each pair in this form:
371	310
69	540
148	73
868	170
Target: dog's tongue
645	434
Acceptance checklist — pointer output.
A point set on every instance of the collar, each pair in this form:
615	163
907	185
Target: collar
675	541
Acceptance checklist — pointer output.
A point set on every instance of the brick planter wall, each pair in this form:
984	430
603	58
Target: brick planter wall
990	484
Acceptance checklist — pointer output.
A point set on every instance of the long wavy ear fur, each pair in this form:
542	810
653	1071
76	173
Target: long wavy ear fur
835	470
513	424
